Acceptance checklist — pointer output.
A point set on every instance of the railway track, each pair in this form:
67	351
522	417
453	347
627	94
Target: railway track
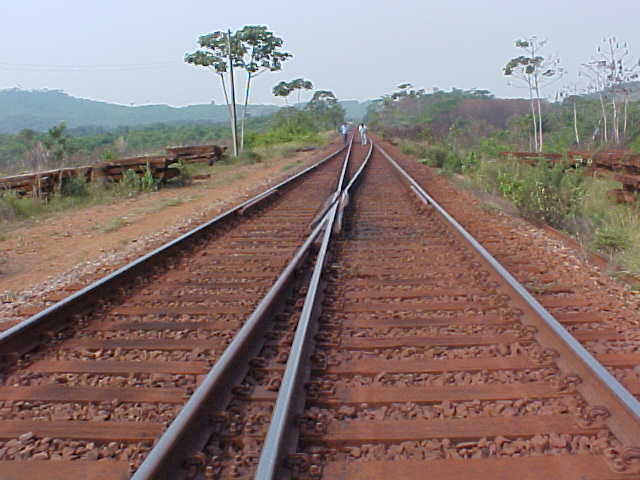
434	363
390	343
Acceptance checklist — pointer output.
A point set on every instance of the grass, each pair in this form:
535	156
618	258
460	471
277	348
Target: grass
291	165
14	211
567	200
174	202
113	224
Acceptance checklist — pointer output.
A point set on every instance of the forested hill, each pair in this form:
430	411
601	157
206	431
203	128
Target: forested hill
42	109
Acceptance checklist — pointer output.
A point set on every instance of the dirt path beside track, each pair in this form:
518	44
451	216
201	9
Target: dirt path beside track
76	246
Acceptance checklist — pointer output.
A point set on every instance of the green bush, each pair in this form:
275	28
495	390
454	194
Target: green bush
132	182
7	212
148	183
408	149
492	147
288	125
436	155
14	207
74	187
508	184
186	172
452	163
109	156
612	238
550	194
249	157
457	163
470	163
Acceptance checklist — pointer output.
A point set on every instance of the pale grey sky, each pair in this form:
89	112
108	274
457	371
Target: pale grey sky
131	51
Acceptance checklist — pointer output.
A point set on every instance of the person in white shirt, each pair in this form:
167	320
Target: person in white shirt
344	130
363	133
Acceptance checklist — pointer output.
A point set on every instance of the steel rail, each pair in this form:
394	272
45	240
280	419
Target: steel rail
626	429
344	198
290	395
335	195
345	164
165	461
42	326
188	433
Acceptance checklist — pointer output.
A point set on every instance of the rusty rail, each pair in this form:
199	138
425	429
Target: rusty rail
282	432
186	435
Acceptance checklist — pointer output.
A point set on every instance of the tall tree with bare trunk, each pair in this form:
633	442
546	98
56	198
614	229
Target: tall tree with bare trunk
262	53
535	72
220	52
610	73
254	49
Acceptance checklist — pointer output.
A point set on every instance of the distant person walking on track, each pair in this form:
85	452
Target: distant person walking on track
344	130
363	133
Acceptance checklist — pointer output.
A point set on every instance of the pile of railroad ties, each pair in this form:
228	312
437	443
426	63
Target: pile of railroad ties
625	165
163	167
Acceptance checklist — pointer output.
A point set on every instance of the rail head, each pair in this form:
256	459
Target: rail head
345	165
627	426
336	194
160	463
291	392
20	338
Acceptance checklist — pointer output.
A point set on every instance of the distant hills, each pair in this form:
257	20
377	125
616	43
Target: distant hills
41	109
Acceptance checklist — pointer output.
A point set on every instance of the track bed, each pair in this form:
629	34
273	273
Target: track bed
391	345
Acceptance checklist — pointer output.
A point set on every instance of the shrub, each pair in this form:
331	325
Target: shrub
612	238
492	146
148	183
184	175
7	211
508	184
249	157
470	163
408	149
13	206
109	156
452	163
549	194
132	182
437	156
74	187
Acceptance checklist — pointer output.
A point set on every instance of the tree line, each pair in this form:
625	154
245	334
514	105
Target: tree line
600	109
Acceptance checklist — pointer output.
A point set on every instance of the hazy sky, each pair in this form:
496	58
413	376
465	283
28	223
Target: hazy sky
131	51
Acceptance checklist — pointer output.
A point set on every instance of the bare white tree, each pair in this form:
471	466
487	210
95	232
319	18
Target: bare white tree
571	93
36	158
610	72
536	73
